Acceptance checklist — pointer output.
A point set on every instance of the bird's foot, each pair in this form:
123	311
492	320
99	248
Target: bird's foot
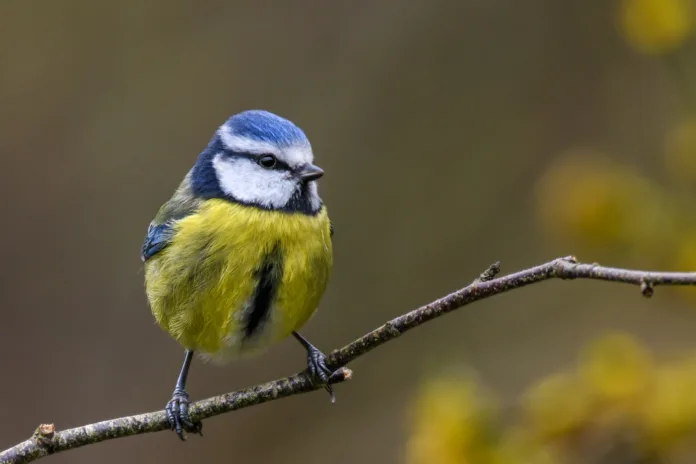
178	415
318	372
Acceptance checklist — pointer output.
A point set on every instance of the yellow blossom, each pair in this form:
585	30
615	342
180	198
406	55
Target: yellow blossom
617	369
557	405
617	400
519	447
669	412
452	423
685	253
585	198
656	26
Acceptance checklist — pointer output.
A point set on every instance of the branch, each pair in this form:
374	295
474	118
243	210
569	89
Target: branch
47	441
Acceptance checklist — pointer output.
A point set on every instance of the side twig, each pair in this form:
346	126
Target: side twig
47	441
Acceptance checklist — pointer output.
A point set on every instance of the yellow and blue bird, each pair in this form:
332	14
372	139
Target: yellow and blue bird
240	255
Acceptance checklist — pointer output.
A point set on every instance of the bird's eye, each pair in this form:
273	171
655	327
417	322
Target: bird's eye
268	161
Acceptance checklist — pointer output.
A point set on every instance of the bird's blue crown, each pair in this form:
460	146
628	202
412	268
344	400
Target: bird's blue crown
267	127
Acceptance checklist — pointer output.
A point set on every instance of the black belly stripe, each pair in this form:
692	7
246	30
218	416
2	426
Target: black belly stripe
268	278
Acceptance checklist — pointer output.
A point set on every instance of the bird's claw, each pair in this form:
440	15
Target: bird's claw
318	372
178	415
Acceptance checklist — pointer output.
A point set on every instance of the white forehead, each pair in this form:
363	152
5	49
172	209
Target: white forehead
294	155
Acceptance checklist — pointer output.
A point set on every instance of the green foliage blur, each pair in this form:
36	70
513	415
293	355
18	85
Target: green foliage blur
588	200
618	404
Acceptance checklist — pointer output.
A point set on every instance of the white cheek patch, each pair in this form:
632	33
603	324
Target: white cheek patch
248	182
314	199
241	144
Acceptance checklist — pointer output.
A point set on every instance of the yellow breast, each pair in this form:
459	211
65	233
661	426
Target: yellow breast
237	278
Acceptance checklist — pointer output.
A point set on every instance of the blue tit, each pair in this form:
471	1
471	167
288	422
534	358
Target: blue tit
240	255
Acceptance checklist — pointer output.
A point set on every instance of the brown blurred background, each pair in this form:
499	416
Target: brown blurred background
444	128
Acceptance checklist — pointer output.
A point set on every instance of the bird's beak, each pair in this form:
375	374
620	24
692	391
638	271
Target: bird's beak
310	172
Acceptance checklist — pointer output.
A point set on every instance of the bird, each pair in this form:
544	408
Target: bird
240	256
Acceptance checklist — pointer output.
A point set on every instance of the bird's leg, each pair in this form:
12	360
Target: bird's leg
316	364
178	407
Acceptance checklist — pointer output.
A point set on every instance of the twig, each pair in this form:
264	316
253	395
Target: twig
489	274
46	441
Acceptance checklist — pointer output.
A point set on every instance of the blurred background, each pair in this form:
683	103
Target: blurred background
453	134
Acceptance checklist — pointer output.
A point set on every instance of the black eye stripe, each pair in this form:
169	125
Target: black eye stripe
279	164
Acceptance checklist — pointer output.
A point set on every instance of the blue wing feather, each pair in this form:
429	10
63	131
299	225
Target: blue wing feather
158	237
161	229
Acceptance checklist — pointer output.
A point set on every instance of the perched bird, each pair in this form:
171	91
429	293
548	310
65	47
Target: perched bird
241	254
